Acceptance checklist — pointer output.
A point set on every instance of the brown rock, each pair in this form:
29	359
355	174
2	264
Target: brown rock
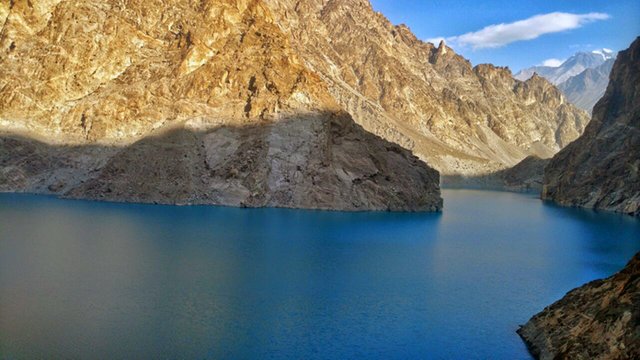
113	73
462	120
599	320
184	102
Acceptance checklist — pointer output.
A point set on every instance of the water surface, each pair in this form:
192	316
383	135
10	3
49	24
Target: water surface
83	279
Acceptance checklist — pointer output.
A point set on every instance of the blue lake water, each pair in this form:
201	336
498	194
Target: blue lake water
83	279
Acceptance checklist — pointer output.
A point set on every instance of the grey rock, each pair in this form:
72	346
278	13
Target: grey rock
585	89
601	169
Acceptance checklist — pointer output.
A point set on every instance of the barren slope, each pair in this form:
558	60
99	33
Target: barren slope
184	102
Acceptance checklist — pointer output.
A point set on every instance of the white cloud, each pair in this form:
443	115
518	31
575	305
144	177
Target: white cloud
498	35
552	62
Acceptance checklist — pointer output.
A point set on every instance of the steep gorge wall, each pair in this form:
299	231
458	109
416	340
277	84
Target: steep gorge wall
601	169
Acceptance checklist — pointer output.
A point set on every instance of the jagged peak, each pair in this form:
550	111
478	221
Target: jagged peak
489	66
444	51
442	47
406	33
536	77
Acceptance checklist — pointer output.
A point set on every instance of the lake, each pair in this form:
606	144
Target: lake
82	279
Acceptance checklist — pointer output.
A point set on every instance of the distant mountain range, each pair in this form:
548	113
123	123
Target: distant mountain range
583	78
573	66
586	88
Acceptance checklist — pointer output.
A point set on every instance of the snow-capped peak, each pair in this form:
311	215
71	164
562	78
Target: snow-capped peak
604	52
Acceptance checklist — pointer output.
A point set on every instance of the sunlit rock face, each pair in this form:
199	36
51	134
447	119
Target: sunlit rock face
460	119
112	73
187	102
599	320
601	169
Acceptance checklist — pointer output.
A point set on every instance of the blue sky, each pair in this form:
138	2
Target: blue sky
535	31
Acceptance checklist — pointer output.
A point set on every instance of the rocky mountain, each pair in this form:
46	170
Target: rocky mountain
117	87
184	102
458	118
585	89
601	168
573	66
582	78
600	320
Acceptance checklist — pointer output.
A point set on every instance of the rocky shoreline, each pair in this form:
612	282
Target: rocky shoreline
599	320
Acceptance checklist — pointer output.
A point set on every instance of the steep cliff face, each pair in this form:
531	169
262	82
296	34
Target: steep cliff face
316	161
460	119
599	320
601	169
184	102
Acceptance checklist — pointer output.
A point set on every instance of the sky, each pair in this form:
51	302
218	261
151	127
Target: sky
519	34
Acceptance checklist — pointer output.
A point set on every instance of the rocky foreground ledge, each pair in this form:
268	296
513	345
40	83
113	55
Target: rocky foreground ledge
599	320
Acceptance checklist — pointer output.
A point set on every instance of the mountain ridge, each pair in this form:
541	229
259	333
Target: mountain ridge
458	118
585	89
582	78
573	66
90	72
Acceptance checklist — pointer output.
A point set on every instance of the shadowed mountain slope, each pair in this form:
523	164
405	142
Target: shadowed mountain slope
601	169
585	89
317	161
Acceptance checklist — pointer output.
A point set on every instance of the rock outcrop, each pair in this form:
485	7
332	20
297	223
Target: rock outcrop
601	169
599	320
184	102
316	161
